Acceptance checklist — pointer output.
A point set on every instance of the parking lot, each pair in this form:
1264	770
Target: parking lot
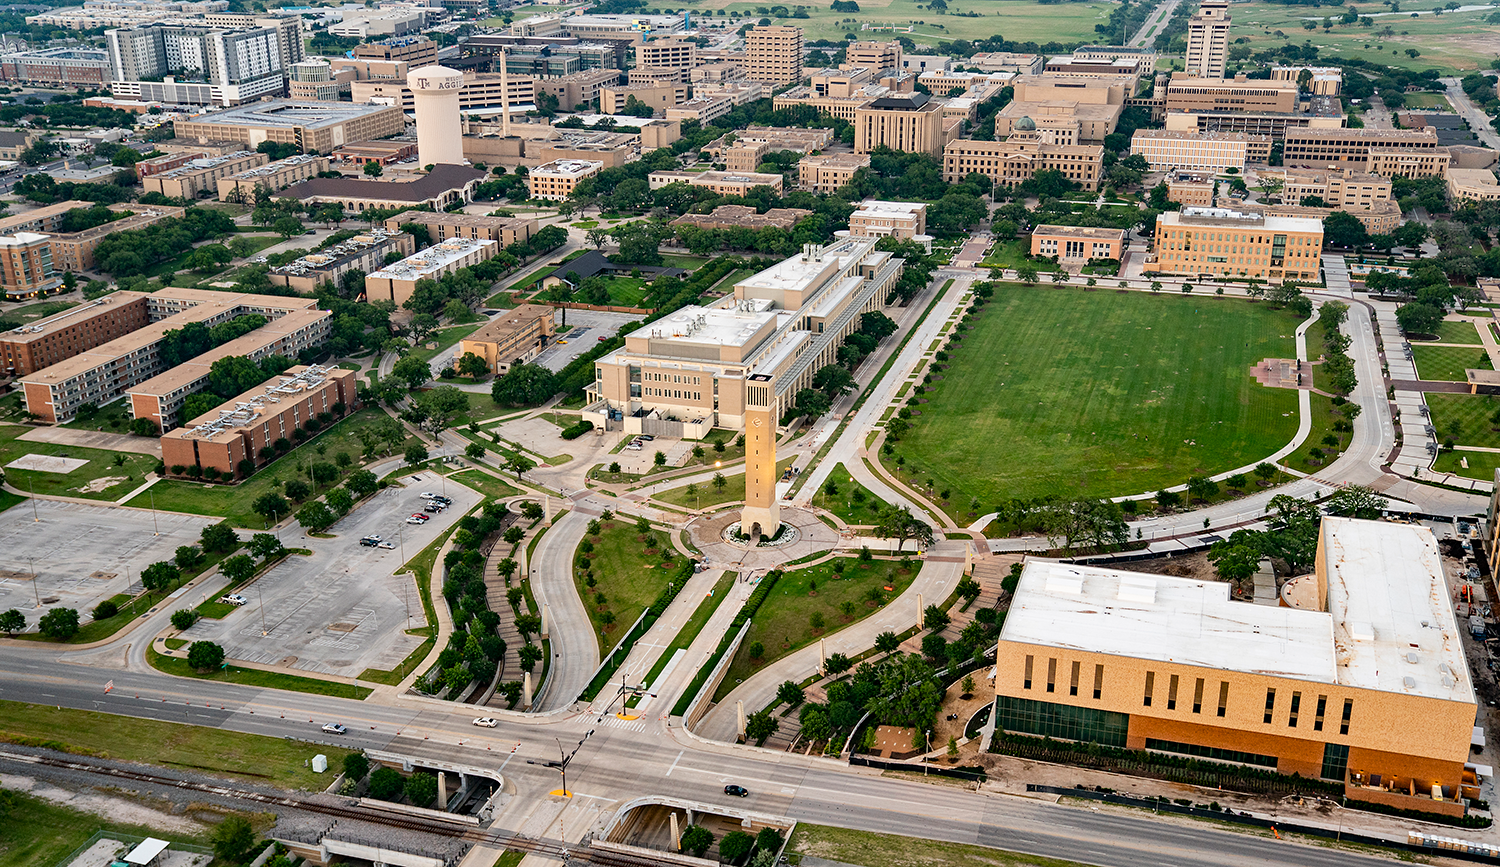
341	610
588	327
82	554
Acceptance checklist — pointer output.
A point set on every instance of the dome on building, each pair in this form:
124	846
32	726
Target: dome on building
1025	124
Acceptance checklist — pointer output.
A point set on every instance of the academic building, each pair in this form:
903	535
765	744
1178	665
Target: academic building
1020	157
690	371
514	337
1190	149
1197	242
1410	152
773	54
1358	677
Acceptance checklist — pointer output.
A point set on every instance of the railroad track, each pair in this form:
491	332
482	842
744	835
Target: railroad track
359	812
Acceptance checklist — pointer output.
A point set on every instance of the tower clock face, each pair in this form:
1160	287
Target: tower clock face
757	422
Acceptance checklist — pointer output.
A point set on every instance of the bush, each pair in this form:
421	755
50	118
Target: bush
356	766
574	431
59	624
105	610
386	784
182	618
205	655
233	839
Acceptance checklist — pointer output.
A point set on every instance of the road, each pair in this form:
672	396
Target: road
1478	120
1153	24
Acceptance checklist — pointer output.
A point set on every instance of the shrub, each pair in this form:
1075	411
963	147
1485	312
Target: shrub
574	431
182	618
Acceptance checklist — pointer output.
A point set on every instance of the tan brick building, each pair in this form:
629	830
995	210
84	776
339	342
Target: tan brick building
253	421
826	173
743	217
1359	678
774	54
1077	243
1190	149
63	335
442	226
1215	241
723	183
201	176
557	180
74	251
1471	185
1020	157
1410	152
660	97
675	54
903	122
364	252
1208	39
873	218
1191	190
397	282
26	268
311	126
273	177
1341	189
513	337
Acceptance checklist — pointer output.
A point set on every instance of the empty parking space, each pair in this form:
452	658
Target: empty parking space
342	610
82	554
588	326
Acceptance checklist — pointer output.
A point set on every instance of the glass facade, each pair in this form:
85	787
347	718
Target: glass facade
1213	753
1335	762
1065	722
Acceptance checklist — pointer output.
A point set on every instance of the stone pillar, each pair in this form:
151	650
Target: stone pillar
920	609
676	835
442	791
546	621
526	692
822	657
739	715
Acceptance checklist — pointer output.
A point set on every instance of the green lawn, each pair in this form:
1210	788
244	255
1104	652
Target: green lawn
441	340
1012	254
233	501
866	511
690	630
1467	419
274	760
1072	393
1428	100
783	623
1324	414
1021	21
629	578
525	284
256	677
38	832
708	495
869	849
1452	41
486	484
117	472
113	418
28	313
1457	332
1448	362
1481	465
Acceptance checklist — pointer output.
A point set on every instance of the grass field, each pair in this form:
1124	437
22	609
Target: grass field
485	483
1466	418
107	475
1481	465
256	677
233	501
1448	362
1428	100
629	579
443	339
1075	393
784	622
1021	21
1012	254
685	636
869	849
38	832
1452	41
278	761
866	511
708	495
1457	332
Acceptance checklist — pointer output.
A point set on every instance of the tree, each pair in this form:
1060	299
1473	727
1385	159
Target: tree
935	619
415	454
474	451
296	490
373	169
233	839
1419	318
158	576
967	685
887	642
356	766
266	546
218	538
205	655
1234	560
362	483
287	226
270	505
760	726
518	464
1342	229
696	839
12	621
183	618
315	517
838	663
1264	471
386	784
473	365
524	385
1356	501
719	482
908	694
412	370
833	380
421	789
735	845
1202	487
59	624
900	524
789	693
238	568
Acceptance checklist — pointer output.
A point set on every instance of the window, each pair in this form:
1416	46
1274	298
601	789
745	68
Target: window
1073	683
1291	721
1223	696
1216	753
1026	682
1270	705
1335	762
1348	710
1098	680
1198	696
1150	682
1172	693
1047	719
1051	675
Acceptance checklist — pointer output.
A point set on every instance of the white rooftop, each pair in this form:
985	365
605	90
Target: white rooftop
147	850
432	259
568	168
1387	601
723	327
1227	217
890	210
798	272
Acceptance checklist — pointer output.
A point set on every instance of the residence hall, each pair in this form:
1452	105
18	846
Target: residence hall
1197	242
243	426
396	282
100	373
1358	677
785	322
364	252
442	226
513	337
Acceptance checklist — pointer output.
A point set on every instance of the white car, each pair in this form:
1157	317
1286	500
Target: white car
415	520
234	599
387	546
335	729
427	495
486	722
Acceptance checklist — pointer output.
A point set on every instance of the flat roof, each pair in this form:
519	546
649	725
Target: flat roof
838	160
1168	619
286	113
441	179
1195	135
1394	625
87	310
797	273
568	168
715	325
753	178
509	322
273	168
194	369
246	409
443	218
146	850
895	210
201	164
1081	232
431	259
1226	217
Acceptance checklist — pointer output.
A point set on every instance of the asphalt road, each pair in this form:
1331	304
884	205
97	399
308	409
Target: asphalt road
1478	120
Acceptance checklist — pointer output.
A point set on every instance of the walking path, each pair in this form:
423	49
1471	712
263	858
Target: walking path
93	439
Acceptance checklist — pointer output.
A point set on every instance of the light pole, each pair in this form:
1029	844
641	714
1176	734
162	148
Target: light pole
562	763
155	527
261	594
34	517
34	579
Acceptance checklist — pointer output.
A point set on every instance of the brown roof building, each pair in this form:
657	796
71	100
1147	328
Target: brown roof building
364	252
63	335
743	217
439	188
513	337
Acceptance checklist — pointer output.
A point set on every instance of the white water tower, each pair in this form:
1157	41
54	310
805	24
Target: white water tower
435	92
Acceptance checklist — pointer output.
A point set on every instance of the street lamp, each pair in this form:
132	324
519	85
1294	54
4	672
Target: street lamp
155	527
562	763
34	589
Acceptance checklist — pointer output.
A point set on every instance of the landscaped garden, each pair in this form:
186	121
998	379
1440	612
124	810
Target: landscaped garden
628	567
700	495
1456	332
1449	362
1072	393
107	475
812	603
847	498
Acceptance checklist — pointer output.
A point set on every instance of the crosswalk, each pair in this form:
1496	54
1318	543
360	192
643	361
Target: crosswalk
613	722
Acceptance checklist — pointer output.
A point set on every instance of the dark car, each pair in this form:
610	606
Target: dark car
737	791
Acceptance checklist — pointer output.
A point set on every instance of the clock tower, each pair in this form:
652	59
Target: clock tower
762	513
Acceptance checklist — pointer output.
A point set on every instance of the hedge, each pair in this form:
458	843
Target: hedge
574	431
747	611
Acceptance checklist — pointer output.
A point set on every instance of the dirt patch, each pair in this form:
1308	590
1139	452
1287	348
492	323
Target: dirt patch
1195	566
100	484
115	809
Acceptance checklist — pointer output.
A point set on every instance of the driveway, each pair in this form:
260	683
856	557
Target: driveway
589	328
94	439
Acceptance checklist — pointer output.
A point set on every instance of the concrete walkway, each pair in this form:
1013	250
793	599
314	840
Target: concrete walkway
93	439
